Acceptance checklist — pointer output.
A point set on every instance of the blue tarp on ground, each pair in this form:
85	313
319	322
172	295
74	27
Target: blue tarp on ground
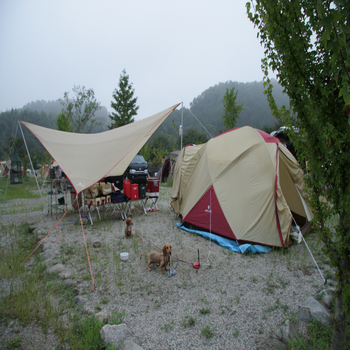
234	246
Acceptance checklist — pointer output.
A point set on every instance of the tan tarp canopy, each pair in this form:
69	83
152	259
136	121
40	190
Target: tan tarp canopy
251	183
86	158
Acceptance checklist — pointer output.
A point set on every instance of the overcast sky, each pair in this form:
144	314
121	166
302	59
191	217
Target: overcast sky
171	50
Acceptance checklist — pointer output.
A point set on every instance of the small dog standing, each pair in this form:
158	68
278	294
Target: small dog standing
128	228
159	259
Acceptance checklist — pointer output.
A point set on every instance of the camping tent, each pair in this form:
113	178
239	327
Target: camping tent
5	167
168	165
243	184
86	158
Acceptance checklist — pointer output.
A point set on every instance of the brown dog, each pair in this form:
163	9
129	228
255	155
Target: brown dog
128	228
159	259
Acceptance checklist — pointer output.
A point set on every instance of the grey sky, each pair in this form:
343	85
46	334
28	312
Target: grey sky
171	50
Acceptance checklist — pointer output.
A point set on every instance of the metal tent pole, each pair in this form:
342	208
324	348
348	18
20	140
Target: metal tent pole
36	180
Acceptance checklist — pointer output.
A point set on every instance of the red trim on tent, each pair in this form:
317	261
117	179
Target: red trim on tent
200	215
276	213
267	137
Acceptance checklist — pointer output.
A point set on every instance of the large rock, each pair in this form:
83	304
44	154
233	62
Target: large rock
288	331
114	334
271	344
130	345
80	300
56	268
313	310
102	316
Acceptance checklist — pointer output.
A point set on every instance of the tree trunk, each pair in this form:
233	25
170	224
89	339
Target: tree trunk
338	341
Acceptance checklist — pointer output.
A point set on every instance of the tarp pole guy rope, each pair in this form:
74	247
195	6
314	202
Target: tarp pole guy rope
57	224
324	279
87	253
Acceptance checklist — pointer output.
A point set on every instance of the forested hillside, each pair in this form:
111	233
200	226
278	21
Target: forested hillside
207	108
9	127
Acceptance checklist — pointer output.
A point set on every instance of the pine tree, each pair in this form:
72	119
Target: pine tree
124	103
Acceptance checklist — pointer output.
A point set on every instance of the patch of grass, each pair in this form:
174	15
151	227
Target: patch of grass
105	300
204	311
236	333
207	331
13	343
168	326
23	190
116	318
40	298
205	301
319	337
21	244
85	333
188	321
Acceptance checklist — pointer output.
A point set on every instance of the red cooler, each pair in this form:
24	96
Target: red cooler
127	188
152	187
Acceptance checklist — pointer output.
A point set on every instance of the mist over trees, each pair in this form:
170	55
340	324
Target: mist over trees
207	108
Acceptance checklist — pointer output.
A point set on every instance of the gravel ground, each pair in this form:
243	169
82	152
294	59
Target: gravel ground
236	300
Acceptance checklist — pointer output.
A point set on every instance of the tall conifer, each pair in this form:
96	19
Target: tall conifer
123	103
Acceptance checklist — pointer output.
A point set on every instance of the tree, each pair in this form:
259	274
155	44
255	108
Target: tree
192	135
63	123
232	110
307	44
124	103
81	109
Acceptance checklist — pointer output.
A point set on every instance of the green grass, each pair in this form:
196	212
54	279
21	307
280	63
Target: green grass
15	191
40	298
188	321
207	331
204	311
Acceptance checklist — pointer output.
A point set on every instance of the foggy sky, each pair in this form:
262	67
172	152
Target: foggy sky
171	50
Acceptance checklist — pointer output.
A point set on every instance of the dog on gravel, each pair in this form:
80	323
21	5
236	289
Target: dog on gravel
159	259
128	228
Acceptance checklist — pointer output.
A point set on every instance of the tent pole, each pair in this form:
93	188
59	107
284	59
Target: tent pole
36	180
182	122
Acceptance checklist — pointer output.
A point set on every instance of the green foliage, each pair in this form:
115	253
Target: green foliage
194	136
307	45
231	109
81	109
86	333
124	103
9	131
63	123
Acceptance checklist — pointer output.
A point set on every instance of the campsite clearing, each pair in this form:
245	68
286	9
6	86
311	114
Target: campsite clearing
234	302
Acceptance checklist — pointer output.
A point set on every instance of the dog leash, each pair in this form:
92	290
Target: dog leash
147	240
